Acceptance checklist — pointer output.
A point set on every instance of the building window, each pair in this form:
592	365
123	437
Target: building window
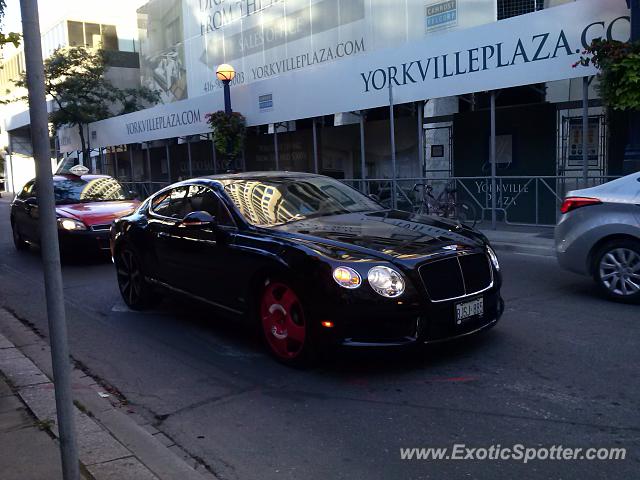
92	35
513	8
76	34
109	38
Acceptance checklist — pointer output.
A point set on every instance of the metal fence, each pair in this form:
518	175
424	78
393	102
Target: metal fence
143	189
520	200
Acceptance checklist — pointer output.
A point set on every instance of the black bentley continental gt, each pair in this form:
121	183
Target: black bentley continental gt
315	262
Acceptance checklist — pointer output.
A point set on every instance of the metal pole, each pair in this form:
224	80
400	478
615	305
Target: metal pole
631	161
315	147
115	162
393	148
130	161
149	176
493	160
13	185
215	157
275	145
363	153
54	290
420	114
227	97
585	129
189	158
168	154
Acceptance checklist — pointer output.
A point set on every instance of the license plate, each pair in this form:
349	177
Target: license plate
474	308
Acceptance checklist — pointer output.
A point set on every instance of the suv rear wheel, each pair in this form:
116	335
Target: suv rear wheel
617	270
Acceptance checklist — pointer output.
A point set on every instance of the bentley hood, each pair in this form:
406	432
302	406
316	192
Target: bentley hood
394	235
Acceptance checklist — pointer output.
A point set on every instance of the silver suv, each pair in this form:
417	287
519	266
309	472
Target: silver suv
599	235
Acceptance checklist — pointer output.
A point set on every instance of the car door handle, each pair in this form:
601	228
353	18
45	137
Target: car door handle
163	234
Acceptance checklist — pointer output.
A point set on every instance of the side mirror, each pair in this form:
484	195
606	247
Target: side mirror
198	219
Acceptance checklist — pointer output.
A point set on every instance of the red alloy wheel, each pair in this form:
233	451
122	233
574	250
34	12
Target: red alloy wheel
283	321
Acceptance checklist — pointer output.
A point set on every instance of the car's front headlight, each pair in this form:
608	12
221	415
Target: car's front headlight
386	281
70	224
493	257
347	277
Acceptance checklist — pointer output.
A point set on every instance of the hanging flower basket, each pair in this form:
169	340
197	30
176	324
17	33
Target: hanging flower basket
229	131
619	65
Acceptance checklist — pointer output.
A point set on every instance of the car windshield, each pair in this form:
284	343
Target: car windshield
275	201
78	190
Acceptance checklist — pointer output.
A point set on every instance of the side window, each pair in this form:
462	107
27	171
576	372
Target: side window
160	204
212	204
171	203
202	198
181	201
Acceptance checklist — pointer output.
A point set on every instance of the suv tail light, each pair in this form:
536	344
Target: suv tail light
571	203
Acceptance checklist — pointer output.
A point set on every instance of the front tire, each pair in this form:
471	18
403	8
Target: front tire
285	324
617	270
136	292
18	241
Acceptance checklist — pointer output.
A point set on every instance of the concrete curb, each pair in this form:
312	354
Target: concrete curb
111	444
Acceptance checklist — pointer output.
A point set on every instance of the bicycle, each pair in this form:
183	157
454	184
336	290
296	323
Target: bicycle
448	207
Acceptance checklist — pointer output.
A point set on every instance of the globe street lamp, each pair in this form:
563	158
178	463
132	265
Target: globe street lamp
225	73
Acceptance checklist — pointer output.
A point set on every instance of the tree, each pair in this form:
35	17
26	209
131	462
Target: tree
7	37
229	133
75	80
619	72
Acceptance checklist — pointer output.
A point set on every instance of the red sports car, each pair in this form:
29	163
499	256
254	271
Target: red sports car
86	206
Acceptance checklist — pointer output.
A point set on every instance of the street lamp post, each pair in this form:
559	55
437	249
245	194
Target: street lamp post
226	73
632	151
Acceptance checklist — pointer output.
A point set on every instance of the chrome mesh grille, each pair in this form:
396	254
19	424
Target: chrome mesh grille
456	277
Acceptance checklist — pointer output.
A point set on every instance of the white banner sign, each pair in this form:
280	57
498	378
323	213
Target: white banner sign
528	49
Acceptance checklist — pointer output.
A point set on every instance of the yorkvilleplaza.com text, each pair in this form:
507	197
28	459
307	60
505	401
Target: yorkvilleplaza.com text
518	453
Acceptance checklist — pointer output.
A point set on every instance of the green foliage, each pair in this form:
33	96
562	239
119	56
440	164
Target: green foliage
11	37
75	80
619	65
229	131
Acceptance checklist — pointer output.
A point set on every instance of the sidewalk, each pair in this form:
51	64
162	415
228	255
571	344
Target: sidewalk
520	239
22	438
111	444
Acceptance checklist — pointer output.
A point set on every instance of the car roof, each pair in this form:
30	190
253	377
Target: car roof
59	177
259	174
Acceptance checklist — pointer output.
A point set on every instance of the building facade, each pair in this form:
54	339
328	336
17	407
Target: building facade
89	25
319	82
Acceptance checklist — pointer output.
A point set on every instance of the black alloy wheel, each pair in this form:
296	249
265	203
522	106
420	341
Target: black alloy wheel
136	292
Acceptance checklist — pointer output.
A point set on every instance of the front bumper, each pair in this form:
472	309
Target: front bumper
84	241
400	325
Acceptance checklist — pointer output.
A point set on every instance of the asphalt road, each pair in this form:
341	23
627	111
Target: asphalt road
562	368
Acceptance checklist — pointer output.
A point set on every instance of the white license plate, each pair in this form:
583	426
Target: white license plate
474	308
